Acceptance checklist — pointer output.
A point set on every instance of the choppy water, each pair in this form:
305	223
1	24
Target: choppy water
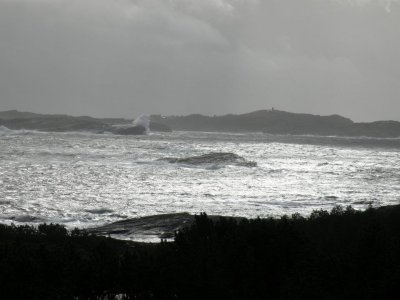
87	179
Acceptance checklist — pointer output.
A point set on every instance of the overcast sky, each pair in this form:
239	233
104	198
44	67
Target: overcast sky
127	57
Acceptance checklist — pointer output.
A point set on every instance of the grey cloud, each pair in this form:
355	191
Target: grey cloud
121	57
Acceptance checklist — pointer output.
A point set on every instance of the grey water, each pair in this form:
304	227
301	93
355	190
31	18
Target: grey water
85	180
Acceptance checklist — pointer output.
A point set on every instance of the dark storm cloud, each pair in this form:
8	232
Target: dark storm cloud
121	57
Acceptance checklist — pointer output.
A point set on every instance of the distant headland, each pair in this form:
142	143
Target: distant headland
17	120
267	121
281	122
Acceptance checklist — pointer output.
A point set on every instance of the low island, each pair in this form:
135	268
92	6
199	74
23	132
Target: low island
280	122
266	121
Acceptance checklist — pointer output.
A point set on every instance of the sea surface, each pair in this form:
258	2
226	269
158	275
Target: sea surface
86	180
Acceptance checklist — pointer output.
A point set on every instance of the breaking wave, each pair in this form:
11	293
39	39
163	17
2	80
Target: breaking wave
4	130
213	158
27	219
144	121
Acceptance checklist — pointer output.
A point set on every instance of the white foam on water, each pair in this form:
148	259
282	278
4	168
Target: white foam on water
88	180
4	130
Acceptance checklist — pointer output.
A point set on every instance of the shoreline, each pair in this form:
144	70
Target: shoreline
154	228
342	254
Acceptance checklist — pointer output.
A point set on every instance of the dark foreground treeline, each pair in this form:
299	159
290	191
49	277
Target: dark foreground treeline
344	254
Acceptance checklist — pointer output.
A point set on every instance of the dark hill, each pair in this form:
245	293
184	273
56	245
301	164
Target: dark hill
14	119
281	122
268	121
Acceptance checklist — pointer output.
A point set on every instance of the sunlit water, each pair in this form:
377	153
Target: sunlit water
87	179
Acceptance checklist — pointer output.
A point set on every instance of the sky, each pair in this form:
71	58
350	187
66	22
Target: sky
122	58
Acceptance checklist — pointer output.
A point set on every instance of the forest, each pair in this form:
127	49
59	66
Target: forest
341	254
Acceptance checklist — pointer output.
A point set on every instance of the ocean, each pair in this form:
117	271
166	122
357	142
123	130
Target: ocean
85	179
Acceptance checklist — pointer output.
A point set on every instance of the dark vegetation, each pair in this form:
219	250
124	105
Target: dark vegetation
344	254
281	122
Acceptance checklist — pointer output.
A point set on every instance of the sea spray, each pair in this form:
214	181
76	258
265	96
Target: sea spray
144	121
4	129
